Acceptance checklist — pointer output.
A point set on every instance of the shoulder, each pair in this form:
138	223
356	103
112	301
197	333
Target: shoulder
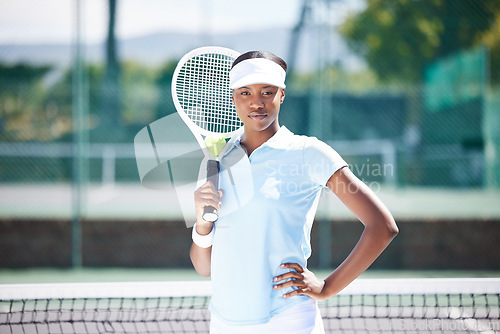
321	160
314	147
286	140
313	143
310	147
290	140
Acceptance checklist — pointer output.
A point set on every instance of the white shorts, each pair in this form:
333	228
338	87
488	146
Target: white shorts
304	318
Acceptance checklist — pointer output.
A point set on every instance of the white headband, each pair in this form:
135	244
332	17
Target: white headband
257	71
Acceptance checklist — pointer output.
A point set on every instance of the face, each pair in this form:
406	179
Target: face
258	106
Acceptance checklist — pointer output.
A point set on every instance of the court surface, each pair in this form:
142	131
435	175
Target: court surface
366	306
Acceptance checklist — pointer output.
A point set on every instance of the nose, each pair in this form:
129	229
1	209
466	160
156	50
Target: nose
256	102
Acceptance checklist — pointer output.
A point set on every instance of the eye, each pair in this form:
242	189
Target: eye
244	93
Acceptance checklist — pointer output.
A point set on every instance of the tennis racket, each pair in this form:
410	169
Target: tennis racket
202	97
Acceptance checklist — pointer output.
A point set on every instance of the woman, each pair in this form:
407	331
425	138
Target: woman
256	252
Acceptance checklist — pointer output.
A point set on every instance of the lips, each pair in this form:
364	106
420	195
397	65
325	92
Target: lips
257	116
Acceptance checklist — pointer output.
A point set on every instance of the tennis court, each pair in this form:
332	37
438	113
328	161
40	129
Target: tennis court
156	300
441	305
407	92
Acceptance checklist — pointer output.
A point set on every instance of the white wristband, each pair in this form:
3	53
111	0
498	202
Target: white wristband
203	241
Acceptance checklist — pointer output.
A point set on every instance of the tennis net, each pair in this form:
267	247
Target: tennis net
366	306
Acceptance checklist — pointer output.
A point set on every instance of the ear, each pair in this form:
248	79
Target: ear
282	98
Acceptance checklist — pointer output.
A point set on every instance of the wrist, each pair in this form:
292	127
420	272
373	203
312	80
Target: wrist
203	228
203	240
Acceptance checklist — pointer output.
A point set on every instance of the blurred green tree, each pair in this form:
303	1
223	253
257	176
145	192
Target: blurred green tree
398	38
59	95
21	91
139	94
491	39
165	105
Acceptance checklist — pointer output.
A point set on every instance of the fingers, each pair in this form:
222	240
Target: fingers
208	195
302	287
293	282
207	185
304	291
296	278
296	273
294	266
303	282
291	274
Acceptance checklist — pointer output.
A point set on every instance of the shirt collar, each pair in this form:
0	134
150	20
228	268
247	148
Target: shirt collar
233	142
278	140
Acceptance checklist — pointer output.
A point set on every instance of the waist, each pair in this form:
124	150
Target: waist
299	318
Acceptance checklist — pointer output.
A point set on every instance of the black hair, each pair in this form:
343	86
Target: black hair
260	54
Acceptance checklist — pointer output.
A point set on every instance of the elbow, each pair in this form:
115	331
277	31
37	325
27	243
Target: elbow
202	272
393	232
392	229
203	269
384	228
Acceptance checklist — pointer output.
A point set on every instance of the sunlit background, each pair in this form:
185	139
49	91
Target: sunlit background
406	91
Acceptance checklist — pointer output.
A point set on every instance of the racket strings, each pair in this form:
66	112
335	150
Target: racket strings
204	94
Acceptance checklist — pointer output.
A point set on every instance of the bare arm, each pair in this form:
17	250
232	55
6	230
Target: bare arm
380	229
201	257
204	196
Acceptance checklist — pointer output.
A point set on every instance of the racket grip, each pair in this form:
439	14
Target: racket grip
210	213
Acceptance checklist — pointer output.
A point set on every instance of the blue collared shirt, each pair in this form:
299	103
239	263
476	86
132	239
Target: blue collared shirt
270	199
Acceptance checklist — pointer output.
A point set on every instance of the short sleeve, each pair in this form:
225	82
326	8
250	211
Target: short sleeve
321	161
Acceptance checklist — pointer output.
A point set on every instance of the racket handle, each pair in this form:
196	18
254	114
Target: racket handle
210	213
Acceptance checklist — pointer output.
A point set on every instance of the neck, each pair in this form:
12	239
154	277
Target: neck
254	139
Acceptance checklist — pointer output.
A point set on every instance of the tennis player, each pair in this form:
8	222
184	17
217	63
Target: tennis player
256	253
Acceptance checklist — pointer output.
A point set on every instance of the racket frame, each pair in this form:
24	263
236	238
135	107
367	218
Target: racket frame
210	213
